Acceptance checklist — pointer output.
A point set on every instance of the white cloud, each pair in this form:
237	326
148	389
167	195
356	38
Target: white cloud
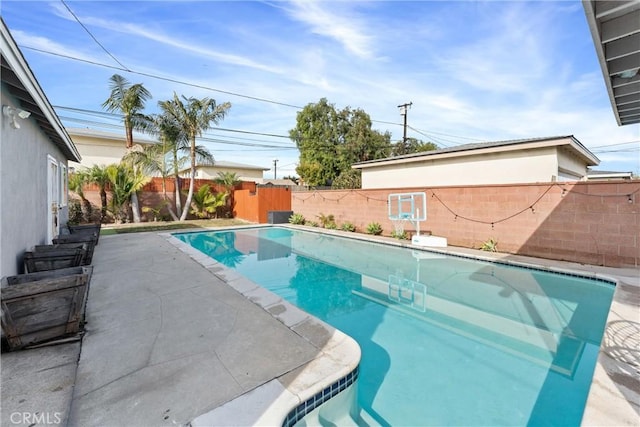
336	21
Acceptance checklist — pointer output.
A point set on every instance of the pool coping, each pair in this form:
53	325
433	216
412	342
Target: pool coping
614	396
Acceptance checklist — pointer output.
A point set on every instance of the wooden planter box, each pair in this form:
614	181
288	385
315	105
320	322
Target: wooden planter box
43	309
52	274
52	260
87	247
88	238
86	228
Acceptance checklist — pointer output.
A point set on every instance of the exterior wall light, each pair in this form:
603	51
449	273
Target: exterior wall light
13	114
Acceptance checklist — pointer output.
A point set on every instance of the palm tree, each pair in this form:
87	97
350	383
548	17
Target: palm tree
174	144
77	181
229	180
152	161
194	116
98	175
129	100
124	181
205	203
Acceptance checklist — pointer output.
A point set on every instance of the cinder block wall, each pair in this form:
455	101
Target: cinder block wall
585	222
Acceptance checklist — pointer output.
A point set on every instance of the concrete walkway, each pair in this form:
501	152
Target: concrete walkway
169	343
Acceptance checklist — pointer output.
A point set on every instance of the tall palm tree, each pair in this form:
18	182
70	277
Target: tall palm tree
193	116
169	157
129	99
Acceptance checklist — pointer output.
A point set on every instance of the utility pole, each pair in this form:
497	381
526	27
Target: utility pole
275	168
403	112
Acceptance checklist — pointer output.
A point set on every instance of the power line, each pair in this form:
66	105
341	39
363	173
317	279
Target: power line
255	98
167	79
622	150
448	134
620	143
203	138
92	36
119	116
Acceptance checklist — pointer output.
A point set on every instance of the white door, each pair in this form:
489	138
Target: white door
53	184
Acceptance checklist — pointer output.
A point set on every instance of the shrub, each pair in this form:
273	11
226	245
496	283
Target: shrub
75	212
347	226
313	224
402	235
297	219
374	228
331	226
490	245
325	220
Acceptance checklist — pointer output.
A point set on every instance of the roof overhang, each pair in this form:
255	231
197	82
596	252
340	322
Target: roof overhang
615	28
570	143
22	84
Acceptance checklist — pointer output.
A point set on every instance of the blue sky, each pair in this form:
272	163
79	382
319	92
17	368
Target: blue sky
474	70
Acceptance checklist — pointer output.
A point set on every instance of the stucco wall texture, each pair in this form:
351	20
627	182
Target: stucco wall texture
594	223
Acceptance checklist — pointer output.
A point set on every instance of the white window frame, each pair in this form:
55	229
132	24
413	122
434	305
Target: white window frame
63	191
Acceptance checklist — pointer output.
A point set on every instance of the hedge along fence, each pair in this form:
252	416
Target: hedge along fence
586	222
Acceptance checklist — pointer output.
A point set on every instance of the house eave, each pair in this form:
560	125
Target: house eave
23	85
615	30
576	147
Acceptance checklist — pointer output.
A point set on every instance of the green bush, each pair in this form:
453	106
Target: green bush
325	220
374	228
297	219
402	235
313	224
347	226
75	212
490	245
331	225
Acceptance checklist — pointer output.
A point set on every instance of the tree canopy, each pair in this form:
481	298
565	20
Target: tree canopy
331	140
412	145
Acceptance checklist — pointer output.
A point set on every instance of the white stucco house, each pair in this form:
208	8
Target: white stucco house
561	158
243	171
34	156
102	148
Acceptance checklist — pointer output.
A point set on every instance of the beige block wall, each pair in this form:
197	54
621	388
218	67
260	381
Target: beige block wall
585	222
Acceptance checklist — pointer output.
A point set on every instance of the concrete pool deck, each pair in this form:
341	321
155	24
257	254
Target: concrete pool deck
174	338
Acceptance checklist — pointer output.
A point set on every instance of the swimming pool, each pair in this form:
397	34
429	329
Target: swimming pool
445	340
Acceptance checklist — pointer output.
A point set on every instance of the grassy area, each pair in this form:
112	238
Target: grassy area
109	229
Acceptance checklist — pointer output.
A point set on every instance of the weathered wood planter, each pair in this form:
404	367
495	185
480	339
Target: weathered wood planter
37	309
89	238
85	246
51	260
86	228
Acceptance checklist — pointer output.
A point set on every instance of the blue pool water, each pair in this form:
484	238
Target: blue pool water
445	340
